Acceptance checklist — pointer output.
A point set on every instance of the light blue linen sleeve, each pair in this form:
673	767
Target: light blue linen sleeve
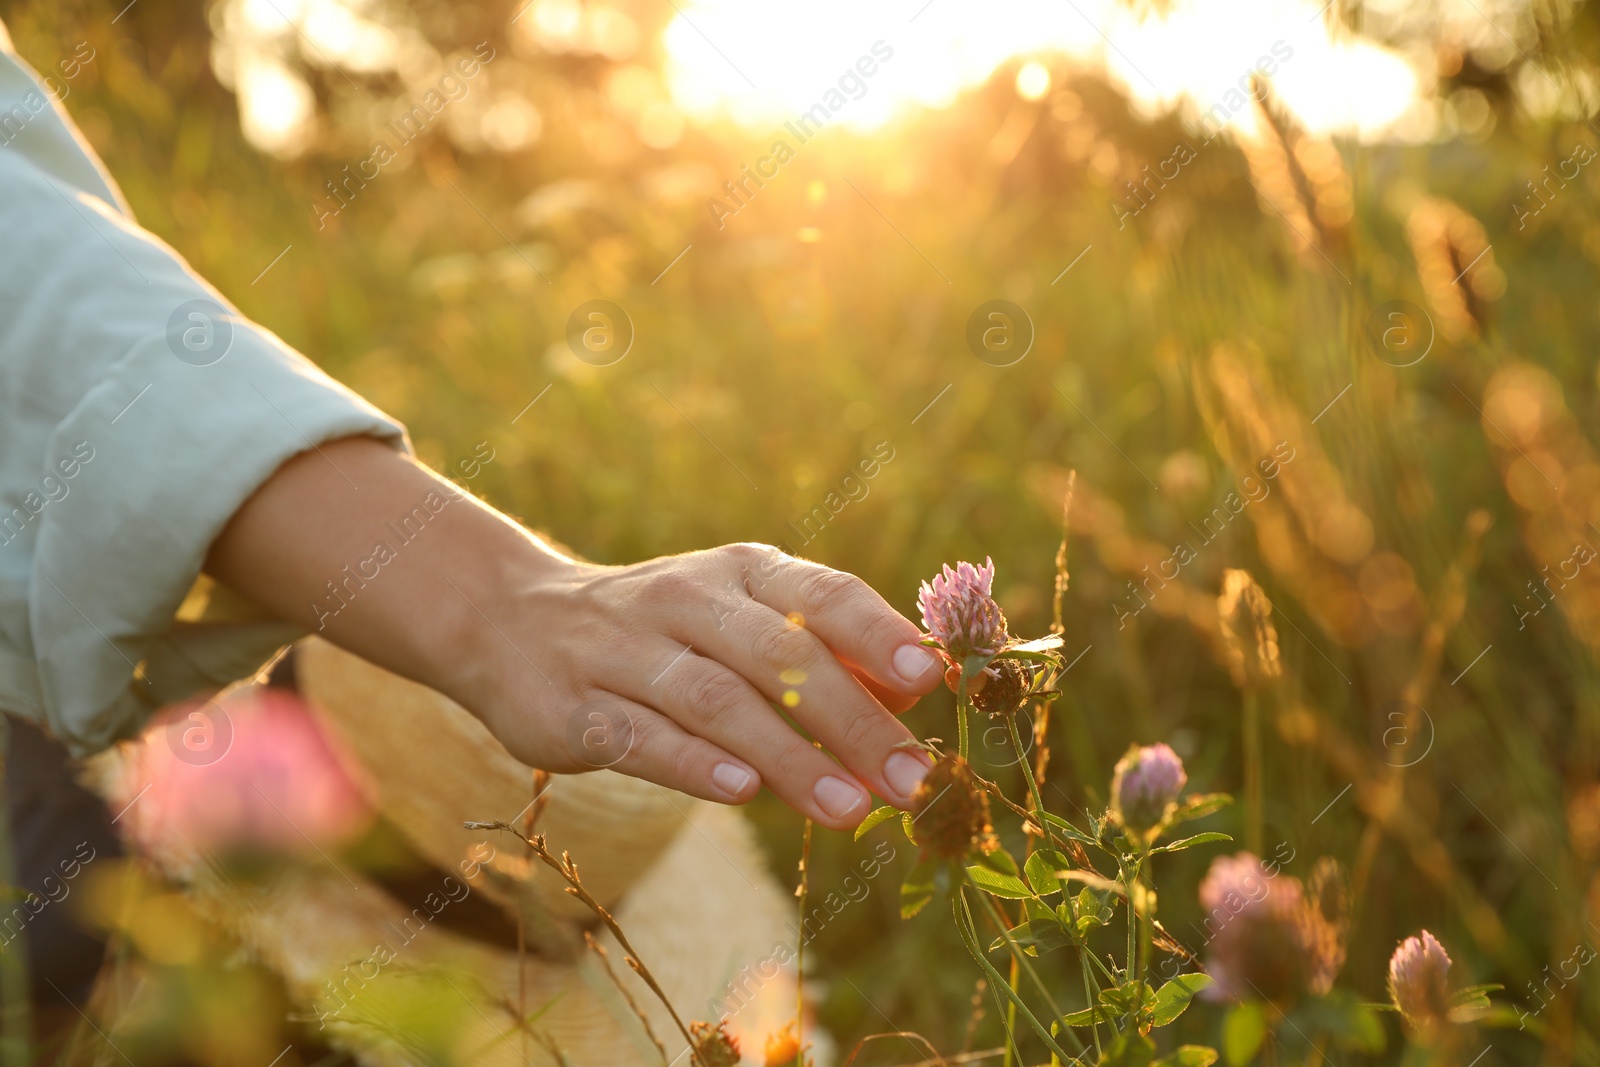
138	411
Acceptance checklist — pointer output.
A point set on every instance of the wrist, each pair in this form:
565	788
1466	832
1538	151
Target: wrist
486	654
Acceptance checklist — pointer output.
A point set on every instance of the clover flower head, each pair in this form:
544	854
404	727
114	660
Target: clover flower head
1268	940
952	812
960	613
1145	785
1419	982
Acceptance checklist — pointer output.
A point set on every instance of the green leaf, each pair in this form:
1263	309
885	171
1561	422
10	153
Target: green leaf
1129	998
1189	1056
907	821
1001	862
997	884
1190	842
1474	996
1243	1031
1086	1017
1174	997
1068	830
972	668
1036	937
1129	1050
918	888
1200	805
1041	870
878	816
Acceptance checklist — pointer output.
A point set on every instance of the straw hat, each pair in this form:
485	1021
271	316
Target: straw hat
684	878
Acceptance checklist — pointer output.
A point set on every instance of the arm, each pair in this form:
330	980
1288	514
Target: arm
665	670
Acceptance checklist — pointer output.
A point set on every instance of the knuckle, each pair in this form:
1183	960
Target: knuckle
782	647
670	585
860	728
686	764
713	694
827	591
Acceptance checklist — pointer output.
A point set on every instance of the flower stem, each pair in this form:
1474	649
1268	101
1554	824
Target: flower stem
961	715
800	954
969	935
1027	771
1252	771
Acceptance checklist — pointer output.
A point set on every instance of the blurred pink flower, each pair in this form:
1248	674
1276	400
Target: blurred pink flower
959	612
248	772
1267	941
1419	982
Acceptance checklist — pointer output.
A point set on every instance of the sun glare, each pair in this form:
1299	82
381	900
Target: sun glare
760	65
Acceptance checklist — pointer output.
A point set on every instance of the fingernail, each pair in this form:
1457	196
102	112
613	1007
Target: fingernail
904	772
730	778
913	662
836	796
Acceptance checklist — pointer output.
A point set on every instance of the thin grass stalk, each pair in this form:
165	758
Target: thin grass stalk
16	1009
1253	817
800	951
969	937
1018	956
569	874
616	980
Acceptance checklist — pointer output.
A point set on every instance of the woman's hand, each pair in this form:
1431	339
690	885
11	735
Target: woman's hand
667	670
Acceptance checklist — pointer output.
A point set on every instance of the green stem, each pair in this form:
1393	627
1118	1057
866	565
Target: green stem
16	1023
1011	1014
961	715
1091	990
1020	957
1027	771
969	937
1252	771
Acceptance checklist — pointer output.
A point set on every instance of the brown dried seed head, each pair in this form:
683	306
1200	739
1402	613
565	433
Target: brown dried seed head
714	1046
1004	692
952	811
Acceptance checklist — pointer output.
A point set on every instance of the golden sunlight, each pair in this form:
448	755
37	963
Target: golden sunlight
759	65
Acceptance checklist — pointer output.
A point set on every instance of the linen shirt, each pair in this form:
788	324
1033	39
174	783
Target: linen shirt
138	412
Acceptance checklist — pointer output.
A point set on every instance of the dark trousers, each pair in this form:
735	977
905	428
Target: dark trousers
59	831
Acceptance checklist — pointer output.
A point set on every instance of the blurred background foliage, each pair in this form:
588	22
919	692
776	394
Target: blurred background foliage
1243	307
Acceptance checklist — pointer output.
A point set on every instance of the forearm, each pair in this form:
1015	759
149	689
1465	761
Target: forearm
383	557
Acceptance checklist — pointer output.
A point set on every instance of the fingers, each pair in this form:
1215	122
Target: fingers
851	619
790	666
610	731
710	701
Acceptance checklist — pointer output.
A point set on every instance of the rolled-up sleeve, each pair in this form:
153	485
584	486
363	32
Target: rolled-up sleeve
138	411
